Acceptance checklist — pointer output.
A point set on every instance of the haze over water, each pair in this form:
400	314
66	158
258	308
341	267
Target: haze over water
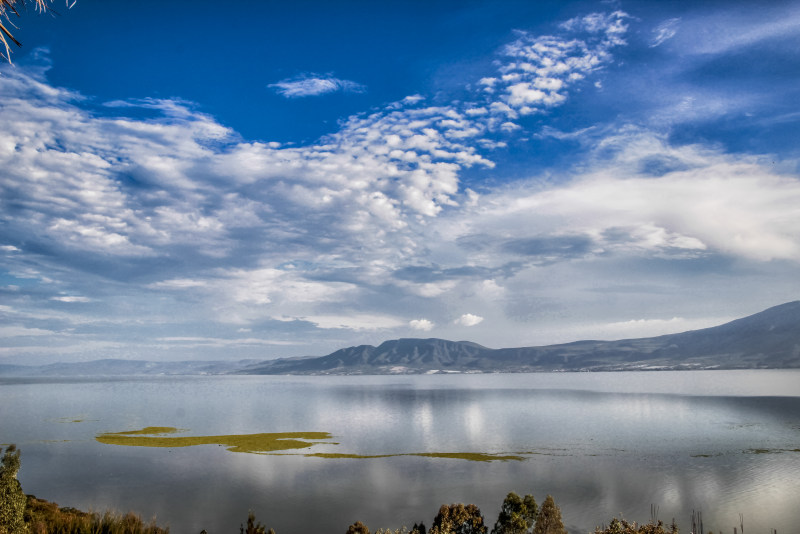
724	442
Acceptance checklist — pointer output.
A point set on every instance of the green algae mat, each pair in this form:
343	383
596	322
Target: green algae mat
269	443
158	436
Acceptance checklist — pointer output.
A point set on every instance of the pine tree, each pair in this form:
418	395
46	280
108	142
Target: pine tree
549	519
12	500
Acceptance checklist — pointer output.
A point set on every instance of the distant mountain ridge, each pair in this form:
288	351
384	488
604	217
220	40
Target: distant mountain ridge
116	367
769	340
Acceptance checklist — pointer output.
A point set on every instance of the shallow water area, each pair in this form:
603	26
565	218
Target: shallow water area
724	442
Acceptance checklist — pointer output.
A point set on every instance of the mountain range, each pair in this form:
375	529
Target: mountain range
769	339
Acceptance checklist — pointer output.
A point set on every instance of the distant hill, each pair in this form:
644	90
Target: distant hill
112	367
769	339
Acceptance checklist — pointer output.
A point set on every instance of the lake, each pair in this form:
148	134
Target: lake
603	444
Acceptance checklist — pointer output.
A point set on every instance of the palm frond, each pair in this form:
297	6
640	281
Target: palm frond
8	7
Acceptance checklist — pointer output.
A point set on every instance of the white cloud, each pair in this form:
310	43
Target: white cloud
179	283
541	68
353	322
188	341
265	286
423	325
469	319
71	298
703	202
22	331
664	32
317	235
314	85
634	328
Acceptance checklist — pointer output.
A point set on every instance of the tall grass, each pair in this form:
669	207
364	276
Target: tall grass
45	517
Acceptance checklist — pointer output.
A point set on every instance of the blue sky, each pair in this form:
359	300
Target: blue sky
180	181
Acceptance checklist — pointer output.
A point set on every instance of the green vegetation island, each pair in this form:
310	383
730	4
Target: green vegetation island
27	514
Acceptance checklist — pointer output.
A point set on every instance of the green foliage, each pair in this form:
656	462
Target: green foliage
357	528
621	526
458	519
12	500
517	515
548	520
531	509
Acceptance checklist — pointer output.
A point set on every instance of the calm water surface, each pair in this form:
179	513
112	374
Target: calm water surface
723	442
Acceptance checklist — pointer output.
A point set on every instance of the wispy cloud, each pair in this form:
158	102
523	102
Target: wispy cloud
71	298
314	85
720	33
664	32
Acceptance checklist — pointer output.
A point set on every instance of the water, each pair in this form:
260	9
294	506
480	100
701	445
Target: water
723	442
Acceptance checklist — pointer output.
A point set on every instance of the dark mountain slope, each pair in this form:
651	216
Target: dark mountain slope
769	339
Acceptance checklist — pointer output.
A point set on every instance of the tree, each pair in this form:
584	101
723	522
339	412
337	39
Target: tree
458	519
548	521
253	527
517	515
357	528
12	500
621	526
531	509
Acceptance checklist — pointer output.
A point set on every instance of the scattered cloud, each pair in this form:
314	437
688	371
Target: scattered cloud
469	319
540	69
421	324
314	85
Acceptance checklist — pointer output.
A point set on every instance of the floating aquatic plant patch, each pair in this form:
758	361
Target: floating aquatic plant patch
153	436
270	443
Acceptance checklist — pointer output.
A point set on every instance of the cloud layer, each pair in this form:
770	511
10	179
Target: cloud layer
171	235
